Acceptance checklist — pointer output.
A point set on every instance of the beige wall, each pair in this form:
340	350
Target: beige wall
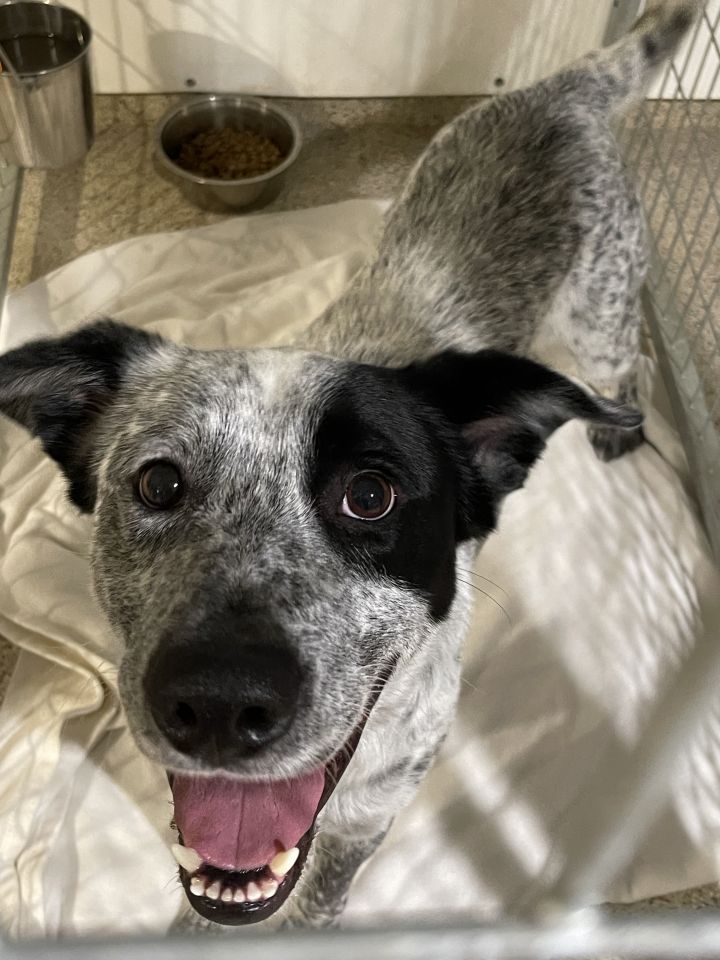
348	48
336	47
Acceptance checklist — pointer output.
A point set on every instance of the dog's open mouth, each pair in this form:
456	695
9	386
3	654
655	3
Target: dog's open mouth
243	843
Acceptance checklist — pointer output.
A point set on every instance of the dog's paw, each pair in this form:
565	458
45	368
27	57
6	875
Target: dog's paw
610	442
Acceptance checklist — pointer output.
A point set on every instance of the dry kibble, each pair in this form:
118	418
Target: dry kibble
226	153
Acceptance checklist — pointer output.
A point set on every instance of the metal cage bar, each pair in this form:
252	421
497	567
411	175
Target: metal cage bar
584	935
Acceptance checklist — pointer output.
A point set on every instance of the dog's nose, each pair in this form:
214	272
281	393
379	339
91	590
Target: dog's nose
220	706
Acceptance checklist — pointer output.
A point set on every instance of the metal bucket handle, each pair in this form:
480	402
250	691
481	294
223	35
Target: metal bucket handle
6	62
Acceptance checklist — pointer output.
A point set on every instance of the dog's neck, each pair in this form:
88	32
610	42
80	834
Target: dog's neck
381	318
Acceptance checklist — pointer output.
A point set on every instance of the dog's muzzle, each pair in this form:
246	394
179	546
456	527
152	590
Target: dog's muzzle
219	693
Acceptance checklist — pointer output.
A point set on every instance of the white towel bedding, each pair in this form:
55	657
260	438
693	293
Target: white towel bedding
586	606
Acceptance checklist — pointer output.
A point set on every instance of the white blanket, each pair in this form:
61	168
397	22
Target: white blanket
587	599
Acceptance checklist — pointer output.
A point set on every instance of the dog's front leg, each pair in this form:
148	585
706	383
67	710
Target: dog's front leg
326	881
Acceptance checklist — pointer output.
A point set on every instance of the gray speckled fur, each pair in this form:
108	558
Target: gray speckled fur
517	224
519	228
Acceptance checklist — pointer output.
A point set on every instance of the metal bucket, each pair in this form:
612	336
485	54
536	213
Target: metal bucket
46	112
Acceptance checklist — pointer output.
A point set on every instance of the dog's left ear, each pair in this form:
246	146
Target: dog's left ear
59	389
506	408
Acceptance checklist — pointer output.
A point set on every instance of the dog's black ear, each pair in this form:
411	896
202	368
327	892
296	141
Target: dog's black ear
57	389
506	408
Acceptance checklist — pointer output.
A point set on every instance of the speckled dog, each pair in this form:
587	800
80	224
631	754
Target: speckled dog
277	532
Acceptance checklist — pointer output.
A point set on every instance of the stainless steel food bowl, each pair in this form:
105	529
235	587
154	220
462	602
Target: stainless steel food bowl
245	113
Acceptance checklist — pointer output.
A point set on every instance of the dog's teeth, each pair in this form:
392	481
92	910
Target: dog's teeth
264	889
253	892
281	863
269	888
197	886
188	858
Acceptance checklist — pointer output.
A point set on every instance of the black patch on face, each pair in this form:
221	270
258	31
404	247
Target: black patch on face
373	423
454	435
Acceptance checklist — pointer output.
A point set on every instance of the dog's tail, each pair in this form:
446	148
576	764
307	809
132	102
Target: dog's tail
626	69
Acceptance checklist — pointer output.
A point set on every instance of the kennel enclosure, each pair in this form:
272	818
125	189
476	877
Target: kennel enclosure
668	145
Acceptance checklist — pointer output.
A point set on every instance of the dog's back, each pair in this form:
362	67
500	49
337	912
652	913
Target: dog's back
519	224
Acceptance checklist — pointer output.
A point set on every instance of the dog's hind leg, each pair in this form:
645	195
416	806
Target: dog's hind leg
610	366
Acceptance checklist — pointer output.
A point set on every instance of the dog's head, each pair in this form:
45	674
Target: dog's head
275	531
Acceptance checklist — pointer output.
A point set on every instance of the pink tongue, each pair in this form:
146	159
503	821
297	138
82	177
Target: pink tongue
237	825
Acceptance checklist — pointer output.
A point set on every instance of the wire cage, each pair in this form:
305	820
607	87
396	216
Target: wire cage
666	143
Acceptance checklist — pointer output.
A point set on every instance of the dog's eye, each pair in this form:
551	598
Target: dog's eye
369	496
160	485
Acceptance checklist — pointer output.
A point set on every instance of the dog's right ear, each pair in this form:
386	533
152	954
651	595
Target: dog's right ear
59	388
